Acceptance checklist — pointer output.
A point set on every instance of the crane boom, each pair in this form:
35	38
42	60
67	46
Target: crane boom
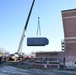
23	34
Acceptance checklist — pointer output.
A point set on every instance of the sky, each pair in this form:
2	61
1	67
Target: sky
13	15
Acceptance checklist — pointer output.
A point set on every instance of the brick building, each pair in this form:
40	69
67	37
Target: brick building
51	55
69	25
46	55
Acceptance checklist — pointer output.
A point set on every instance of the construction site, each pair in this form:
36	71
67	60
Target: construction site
66	58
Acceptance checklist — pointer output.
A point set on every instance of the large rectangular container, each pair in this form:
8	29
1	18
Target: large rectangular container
37	41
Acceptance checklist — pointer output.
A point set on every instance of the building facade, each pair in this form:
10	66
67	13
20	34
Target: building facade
69	25
51	55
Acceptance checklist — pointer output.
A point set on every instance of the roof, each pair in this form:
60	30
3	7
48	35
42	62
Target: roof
69	10
50	52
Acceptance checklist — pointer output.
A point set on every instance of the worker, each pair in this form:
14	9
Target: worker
0	58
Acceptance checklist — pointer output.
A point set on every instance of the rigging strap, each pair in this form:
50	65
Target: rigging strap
38	27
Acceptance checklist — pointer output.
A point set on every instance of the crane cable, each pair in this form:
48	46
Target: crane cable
38	26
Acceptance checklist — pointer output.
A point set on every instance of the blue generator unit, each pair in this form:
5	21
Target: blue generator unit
37	41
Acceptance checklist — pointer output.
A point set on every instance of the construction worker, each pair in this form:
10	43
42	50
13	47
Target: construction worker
0	58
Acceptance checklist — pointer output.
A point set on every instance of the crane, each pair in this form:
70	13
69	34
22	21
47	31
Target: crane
44	40
26	24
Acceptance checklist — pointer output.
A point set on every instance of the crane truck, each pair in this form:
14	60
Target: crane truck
17	56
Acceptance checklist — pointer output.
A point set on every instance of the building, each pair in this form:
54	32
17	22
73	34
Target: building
69	25
52	59
46	55
51	55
